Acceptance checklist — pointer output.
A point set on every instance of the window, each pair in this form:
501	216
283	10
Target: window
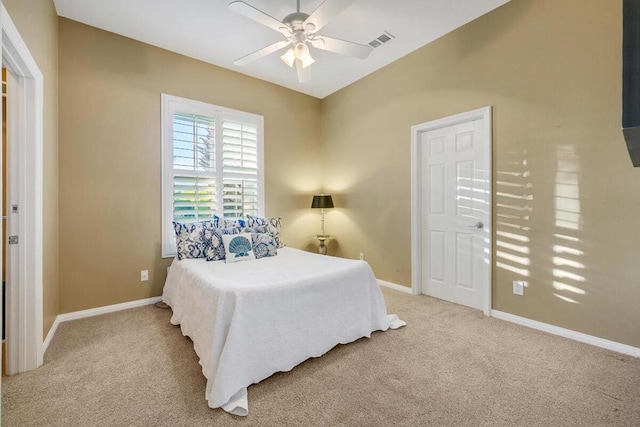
212	164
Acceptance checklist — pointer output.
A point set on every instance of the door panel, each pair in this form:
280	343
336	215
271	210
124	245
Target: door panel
436	262
456	197
437	197
464	188
464	260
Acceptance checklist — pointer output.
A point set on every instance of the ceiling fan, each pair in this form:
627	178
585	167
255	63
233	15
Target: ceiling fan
301	31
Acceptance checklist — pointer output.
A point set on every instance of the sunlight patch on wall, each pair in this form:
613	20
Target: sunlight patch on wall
567	262
566	299
564	287
567	188
569	280
560	249
513	236
513	215
516	248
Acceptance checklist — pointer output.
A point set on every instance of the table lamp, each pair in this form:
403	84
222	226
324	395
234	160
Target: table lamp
322	201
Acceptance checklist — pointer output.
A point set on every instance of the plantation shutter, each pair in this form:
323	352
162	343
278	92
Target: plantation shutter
240	168
194	166
194	198
196	170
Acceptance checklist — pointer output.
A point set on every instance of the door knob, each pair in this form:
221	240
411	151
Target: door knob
476	225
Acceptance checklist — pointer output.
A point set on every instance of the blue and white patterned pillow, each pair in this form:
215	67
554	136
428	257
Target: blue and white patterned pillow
215	251
232	222
264	245
193	239
238	247
258	229
273	224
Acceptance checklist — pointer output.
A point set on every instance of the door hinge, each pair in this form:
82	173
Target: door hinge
13	240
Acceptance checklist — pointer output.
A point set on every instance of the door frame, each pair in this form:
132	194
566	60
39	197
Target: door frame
484	114
25	305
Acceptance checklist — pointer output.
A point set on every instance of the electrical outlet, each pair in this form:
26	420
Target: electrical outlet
361	256
518	287
144	275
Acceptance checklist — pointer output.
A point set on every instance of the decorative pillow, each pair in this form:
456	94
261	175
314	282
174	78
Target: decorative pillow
232	222
238	247
193	239
273	224
215	251
264	245
258	229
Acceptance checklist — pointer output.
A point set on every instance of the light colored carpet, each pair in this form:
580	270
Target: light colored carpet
449	366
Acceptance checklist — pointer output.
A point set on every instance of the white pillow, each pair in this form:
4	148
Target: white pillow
238	247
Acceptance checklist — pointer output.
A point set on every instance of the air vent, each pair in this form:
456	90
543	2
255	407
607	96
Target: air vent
381	39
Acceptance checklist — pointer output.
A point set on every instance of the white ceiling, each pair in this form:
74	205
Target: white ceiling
207	30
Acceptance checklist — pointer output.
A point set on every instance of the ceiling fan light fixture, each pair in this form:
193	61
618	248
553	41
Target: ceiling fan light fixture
307	61
302	51
289	57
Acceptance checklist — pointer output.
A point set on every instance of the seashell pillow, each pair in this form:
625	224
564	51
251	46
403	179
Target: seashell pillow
238	247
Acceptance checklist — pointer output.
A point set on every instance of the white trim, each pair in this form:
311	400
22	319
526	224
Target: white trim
64	317
28	315
484	114
52	332
405	289
568	333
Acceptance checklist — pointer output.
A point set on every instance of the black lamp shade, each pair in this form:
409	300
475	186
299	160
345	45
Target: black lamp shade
323	201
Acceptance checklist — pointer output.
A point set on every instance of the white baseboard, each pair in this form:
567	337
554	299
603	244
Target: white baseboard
545	327
395	286
568	333
107	309
64	317
52	332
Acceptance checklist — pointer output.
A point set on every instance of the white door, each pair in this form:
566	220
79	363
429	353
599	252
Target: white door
456	213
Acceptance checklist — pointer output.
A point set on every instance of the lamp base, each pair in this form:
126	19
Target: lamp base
322	249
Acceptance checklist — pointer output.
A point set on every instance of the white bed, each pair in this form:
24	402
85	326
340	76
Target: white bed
251	319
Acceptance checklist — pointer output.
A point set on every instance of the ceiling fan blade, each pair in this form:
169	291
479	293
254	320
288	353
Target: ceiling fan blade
261	52
325	12
342	47
304	74
257	15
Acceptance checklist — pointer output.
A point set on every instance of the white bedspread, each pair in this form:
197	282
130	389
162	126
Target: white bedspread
251	319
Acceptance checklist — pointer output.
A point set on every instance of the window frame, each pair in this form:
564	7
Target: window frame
171	104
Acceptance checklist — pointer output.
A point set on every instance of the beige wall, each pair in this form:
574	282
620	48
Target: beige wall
110	192
552	72
550	69
37	23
